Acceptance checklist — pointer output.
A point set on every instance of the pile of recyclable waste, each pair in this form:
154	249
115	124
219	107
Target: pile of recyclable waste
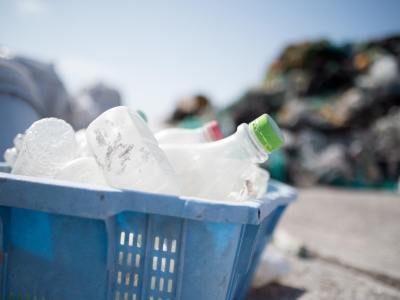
338	107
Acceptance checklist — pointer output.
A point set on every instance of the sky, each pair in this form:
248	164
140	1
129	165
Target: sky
156	52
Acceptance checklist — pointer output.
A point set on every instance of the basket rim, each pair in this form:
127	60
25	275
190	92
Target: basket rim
98	202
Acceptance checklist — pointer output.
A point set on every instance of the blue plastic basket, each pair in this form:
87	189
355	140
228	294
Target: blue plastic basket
62	240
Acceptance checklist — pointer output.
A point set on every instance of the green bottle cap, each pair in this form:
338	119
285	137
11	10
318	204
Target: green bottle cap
267	132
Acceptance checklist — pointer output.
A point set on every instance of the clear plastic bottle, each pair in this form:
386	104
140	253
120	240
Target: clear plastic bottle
128	154
48	145
210	170
209	132
251	184
83	170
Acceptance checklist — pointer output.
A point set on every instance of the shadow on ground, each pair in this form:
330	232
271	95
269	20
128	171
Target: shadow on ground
275	291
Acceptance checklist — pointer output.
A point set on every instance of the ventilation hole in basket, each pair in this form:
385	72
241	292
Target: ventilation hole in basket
126	296
136	280
129	259
165	245
161	284
127	278
155	258
130	242
137	262
35	298
171	266
139	240
173	247
27	297
117	296
169	286
134	297
121	257
11	296
122	240
151	298
119	277
163	262
153	282
156	243
159	298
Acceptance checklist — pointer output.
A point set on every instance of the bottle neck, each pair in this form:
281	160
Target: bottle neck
250	143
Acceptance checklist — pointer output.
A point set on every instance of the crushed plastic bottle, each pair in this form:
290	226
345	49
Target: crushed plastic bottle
210	170
83	170
48	145
209	132
128	154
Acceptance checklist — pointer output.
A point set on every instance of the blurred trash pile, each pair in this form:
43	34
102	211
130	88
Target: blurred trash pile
192	112
339	108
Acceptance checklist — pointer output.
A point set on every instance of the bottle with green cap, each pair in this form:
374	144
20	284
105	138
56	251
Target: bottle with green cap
211	170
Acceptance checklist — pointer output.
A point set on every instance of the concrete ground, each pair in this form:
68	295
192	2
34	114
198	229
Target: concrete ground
354	241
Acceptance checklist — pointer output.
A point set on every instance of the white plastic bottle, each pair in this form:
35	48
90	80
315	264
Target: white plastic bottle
209	132
128	154
210	170
83	170
49	144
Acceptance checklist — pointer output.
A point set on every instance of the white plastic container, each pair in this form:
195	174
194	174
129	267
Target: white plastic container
49	144
209	132
211	170
83	170
128	154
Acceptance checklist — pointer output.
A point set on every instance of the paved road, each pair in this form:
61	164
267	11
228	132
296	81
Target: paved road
356	238
315	279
